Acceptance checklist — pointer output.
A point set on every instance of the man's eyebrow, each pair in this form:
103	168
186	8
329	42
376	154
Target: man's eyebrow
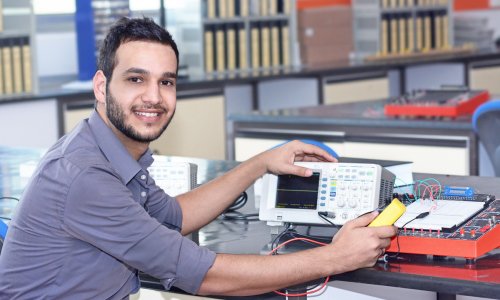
170	75
146	72
136	70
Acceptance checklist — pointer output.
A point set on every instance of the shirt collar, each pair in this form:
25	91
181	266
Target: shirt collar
116	153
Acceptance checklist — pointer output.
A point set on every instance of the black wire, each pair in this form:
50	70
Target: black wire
238	203
9	198
237	216
5	218
420	216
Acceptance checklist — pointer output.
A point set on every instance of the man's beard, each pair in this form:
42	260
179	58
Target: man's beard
116	116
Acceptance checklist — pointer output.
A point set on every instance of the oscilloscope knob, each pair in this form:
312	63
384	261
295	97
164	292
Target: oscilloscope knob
352	203
340	202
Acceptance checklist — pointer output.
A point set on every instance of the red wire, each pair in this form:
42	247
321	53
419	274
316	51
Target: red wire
308	292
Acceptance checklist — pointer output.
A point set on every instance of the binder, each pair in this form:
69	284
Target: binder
411	34
255	47
220	49
384	39
27	73
242	48
438	36
446	32
285	45
209	51
273	7
7	67
420	33
427	33
231	49
385	3
394	35
222	9
394	3
230	8
17	72
264	7
266	49
210	9
287	7
402	3
402	35
244	8
275	46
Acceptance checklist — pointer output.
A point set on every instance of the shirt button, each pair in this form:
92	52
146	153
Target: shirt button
143	177
143	194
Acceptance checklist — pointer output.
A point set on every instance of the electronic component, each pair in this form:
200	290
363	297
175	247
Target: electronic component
341	191
471	239
437	103
452	191
390	214
174	178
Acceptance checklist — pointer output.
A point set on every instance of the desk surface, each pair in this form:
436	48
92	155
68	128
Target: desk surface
449	275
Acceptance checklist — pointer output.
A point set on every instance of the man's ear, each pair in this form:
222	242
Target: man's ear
99	85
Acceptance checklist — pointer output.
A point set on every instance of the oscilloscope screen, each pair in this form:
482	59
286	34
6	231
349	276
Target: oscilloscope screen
297	192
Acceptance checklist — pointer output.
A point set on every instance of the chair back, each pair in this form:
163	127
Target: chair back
486	124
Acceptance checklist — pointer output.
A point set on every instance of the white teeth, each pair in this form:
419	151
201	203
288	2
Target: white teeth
147	114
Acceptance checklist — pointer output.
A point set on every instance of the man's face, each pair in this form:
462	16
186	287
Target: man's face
141	96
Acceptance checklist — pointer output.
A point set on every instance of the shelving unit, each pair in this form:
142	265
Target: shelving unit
18	74
398	28
243	35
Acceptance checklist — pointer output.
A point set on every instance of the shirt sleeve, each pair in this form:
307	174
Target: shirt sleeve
100	210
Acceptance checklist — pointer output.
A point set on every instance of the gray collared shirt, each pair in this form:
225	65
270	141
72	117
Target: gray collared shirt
92	216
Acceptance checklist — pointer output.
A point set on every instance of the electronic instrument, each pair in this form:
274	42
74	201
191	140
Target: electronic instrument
341	191
436	103
174	178
475	236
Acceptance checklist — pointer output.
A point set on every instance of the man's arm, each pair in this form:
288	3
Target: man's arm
354	246
200	206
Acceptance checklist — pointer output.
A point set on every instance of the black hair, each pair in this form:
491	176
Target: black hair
128	30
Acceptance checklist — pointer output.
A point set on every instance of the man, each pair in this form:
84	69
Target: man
92	216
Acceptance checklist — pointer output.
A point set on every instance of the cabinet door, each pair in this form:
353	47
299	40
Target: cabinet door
356	90
485	78
426	159
197	129
247	147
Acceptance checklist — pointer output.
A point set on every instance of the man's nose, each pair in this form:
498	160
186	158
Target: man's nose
152	94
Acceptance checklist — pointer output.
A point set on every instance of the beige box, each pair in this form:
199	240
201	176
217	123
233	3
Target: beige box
319	36
329	16
324	54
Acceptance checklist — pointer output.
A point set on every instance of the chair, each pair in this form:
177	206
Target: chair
3	232
486	124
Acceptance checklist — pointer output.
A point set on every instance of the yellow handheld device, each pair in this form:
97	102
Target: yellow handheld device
390	214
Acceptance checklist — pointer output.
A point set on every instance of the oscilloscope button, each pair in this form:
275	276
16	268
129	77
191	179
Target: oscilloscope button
352	203
340	202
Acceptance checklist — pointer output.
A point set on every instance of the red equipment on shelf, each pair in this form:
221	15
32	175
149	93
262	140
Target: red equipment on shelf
437	103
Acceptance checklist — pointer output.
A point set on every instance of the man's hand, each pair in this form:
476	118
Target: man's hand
357	246
280	160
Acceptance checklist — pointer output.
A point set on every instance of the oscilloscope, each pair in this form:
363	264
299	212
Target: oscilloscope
343	190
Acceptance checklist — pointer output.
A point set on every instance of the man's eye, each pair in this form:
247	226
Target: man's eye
135	79
167	82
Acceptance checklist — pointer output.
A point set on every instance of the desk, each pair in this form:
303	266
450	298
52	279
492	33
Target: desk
446	277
